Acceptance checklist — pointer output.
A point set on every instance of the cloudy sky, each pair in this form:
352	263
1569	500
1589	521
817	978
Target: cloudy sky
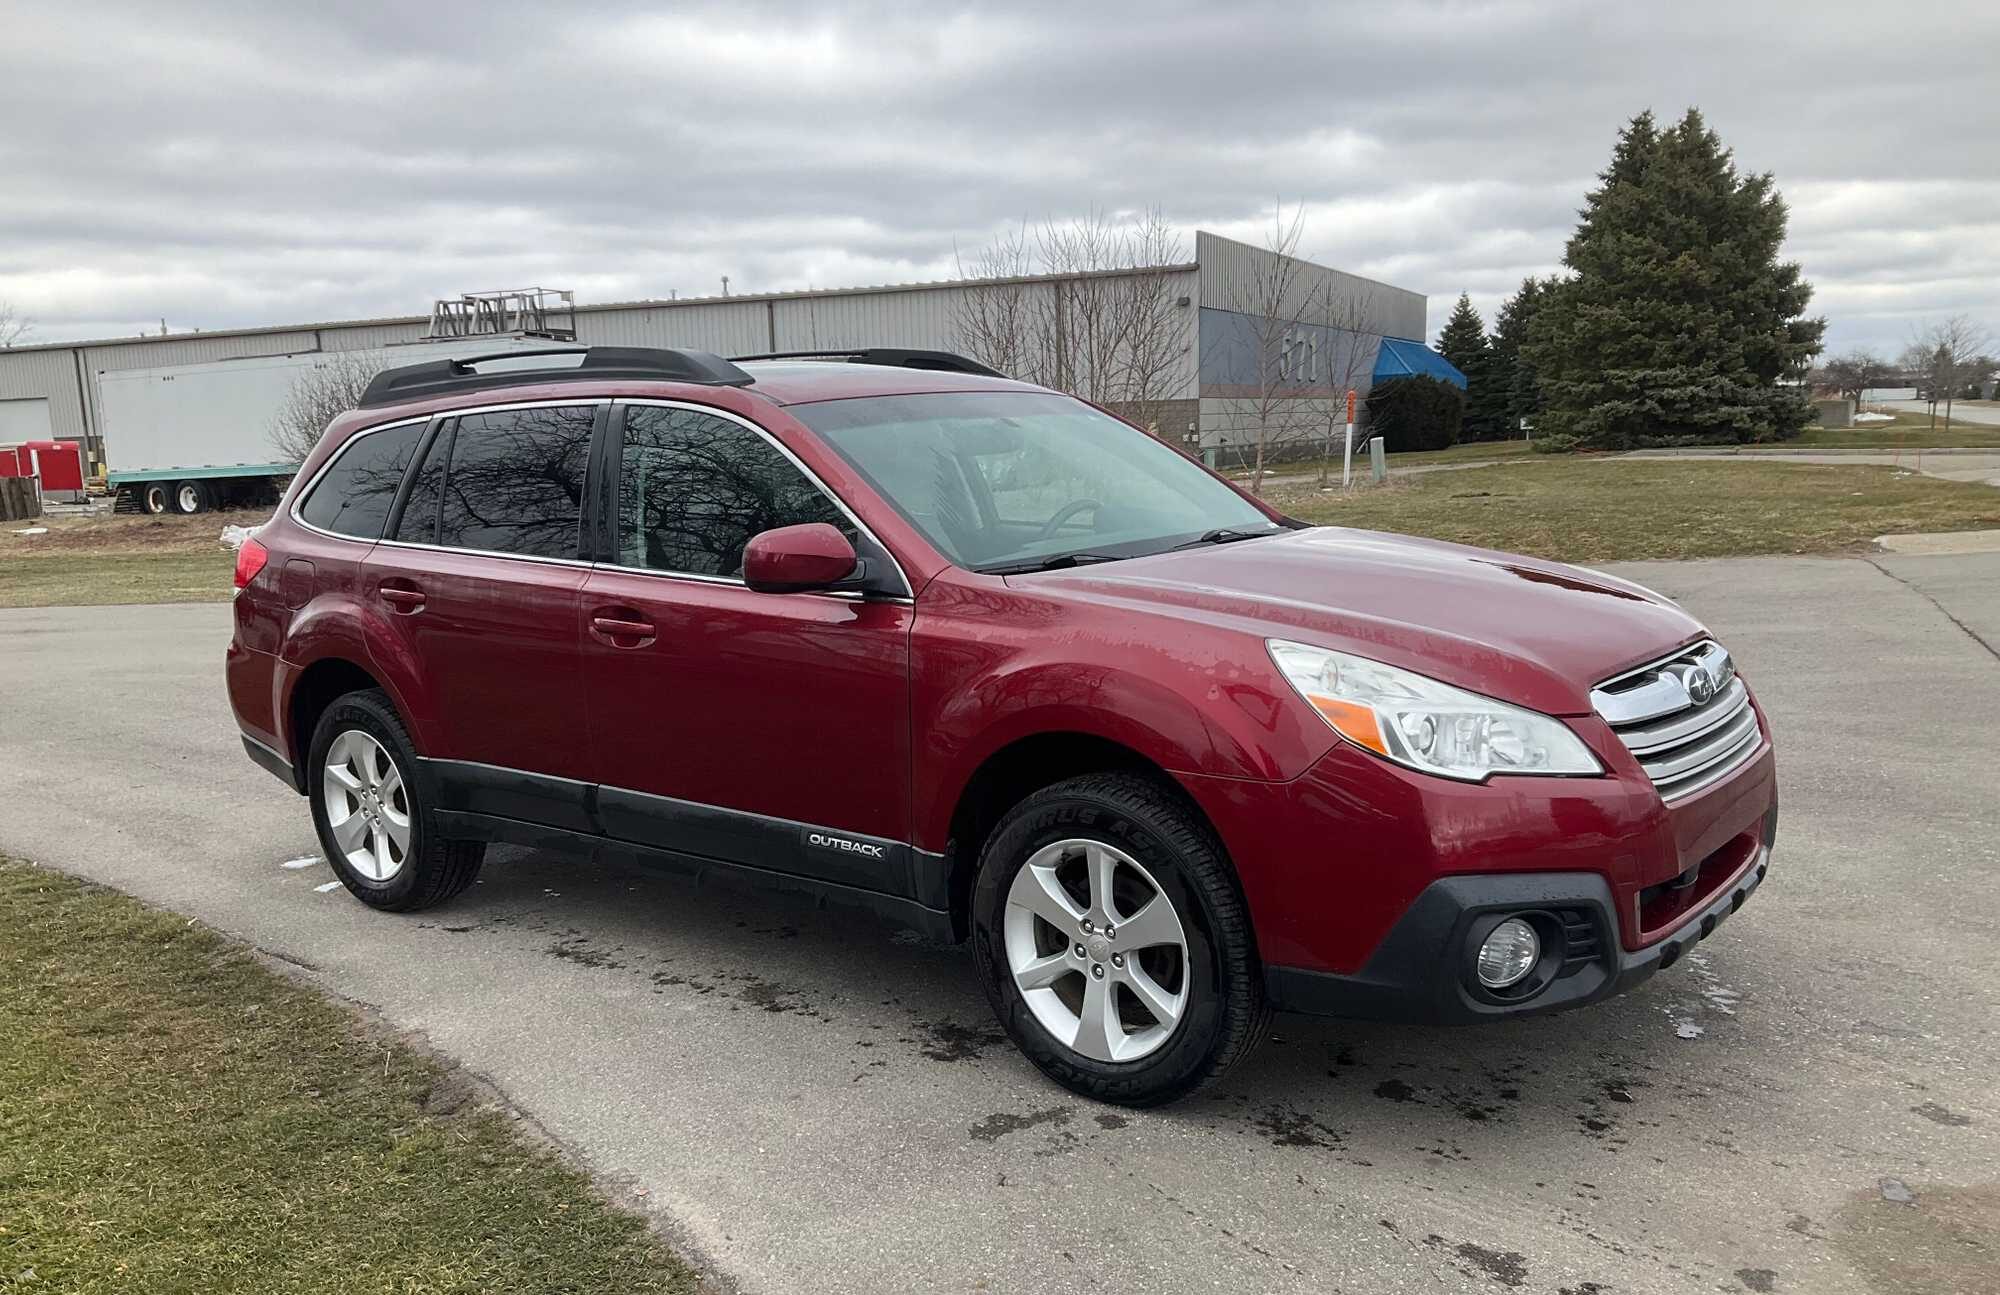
222	165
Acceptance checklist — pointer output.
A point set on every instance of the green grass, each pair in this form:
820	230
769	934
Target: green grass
176	1118
97	579
1595	510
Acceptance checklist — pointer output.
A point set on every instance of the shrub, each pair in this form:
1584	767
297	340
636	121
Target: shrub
1416	413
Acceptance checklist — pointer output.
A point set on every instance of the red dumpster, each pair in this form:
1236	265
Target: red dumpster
58	463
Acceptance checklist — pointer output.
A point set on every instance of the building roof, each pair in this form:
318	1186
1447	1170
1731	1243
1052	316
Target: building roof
1401	359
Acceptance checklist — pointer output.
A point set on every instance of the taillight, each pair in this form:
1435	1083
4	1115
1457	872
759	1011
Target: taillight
250	559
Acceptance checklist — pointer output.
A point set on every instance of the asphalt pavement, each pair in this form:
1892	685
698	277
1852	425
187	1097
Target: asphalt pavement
809	1101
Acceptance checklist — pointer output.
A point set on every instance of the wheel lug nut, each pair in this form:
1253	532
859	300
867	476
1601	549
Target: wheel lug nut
1079	951
1117	959
1097	970
1086	926
1110	932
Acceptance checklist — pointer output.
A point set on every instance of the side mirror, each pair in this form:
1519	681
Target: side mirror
794	559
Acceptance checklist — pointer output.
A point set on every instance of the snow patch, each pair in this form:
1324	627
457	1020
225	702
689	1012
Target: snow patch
331	885
1688	1030
1874	418
303	861
34	530
233	536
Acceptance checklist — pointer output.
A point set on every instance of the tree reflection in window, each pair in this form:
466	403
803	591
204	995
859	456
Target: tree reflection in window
355	495
693	489
516	481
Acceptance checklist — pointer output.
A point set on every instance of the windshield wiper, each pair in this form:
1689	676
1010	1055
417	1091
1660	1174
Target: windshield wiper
1054	562
1225	535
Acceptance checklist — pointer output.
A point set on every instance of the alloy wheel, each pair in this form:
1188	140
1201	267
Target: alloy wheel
367	805
1097	950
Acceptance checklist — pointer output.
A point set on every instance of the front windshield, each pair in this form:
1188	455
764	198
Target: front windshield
1012	480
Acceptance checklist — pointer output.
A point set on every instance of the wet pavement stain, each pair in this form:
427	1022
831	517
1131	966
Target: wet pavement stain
951	1041
1758	1279
1109	1121
1939	1115
999	1124
582	954
1287	1128
1395	1090
1508	1267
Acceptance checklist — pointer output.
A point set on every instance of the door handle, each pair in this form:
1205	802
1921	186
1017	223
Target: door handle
403	600
620	623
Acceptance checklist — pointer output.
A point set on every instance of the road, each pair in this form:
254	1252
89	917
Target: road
1985	412
812	1102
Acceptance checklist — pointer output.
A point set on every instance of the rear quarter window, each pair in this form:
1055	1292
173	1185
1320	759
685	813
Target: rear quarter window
354	495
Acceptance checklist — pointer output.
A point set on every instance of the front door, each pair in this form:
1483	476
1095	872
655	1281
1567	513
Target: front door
762	729
480	581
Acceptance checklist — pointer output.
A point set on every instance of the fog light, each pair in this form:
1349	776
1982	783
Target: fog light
1509	954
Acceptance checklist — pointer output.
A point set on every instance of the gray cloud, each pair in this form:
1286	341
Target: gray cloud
230	164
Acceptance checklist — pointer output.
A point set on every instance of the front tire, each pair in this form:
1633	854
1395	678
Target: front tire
372	807
1113	943
155	497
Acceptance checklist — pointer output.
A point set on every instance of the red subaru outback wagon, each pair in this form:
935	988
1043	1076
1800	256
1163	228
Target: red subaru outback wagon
889	628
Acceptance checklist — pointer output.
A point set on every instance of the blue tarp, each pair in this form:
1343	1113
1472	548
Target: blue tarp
1400	359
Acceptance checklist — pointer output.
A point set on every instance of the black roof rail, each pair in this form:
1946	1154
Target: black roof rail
894	356
653	364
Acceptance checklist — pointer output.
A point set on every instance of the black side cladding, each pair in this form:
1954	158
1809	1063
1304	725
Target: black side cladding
641	363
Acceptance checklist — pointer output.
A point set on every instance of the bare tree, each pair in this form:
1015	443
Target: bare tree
1946	353
1089	306
1852	374
319	395
1275	298
1341	317
15	328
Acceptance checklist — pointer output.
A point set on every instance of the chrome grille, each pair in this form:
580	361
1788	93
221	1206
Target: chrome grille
1687	718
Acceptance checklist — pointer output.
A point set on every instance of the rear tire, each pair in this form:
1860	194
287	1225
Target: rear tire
191	497
155	497
1181	995
373	808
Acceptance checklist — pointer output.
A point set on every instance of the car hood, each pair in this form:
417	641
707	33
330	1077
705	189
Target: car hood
1534	633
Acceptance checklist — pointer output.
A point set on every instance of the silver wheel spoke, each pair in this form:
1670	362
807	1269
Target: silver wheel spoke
1046	899
1164	1007
350	831
344	776
1043	972
385	863
1151	925
1098	1033
1103	864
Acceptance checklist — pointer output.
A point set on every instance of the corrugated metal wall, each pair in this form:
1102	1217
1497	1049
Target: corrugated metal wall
1231	272
50	375
916	316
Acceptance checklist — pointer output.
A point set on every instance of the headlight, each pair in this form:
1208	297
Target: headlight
1427	725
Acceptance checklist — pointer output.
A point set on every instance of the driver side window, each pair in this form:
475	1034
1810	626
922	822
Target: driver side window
694	487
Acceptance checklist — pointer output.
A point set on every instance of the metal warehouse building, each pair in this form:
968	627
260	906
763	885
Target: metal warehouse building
1235	341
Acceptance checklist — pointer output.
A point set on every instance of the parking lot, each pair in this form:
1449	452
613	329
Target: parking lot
808	1100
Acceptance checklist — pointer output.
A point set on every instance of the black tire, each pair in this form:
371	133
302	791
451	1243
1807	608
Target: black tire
433	869
191	497
1226	1012
155	497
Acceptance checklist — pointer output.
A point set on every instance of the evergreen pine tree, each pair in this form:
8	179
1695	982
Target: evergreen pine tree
1513	376
1678	322
1463	342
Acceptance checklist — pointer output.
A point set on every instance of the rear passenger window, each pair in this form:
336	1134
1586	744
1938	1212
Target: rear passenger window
354	495
693	488
515	481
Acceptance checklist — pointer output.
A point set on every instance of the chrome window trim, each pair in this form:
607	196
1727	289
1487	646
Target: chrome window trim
902	577
299	498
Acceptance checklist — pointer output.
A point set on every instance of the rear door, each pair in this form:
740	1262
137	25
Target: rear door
766	729
480	581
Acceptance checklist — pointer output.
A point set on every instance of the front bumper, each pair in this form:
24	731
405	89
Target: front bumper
1421	972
